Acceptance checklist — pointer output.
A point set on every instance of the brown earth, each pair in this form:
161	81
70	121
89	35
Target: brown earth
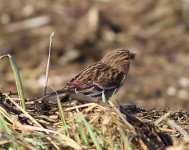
156	30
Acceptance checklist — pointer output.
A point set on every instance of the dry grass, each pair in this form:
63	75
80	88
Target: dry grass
89	126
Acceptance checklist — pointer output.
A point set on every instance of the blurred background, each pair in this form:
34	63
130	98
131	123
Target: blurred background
158	31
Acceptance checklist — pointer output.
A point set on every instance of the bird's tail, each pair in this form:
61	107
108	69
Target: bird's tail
45	100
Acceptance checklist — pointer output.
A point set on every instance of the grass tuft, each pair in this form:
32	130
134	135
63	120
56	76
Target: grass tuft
90	130
162	118
18	80
62	116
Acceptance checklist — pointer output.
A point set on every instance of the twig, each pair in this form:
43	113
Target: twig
175	126
121	116
48	64
29	116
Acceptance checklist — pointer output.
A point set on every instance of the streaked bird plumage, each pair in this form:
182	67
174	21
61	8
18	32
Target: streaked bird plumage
105	76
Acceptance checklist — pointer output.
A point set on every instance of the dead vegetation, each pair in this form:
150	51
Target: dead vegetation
90	126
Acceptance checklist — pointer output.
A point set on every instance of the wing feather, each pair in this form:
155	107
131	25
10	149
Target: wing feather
97	79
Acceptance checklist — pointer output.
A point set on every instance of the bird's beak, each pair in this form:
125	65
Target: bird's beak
132	56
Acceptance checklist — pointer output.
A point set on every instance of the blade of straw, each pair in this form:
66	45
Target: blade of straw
48	64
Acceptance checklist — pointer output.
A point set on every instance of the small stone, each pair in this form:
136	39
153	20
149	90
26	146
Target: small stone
184	82
171	91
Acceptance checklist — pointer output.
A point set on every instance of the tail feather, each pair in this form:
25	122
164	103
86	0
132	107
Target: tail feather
45	101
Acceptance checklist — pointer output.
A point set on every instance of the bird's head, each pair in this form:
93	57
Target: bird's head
119	59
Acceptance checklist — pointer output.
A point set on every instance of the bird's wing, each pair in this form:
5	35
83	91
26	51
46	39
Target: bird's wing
97	79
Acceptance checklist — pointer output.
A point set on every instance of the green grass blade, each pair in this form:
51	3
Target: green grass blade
91	133
4	126
18	80
82	133
162	118
62	116
125	139
7	131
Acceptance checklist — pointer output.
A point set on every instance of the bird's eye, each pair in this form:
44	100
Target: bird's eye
127	58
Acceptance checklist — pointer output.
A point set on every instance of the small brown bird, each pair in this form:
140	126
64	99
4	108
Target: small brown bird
105	76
